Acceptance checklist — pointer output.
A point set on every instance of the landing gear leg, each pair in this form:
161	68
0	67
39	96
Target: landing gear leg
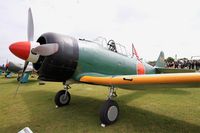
110	110
63	97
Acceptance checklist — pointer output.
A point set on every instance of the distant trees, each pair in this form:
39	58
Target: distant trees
170	59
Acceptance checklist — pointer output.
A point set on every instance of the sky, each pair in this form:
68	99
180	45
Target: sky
172	26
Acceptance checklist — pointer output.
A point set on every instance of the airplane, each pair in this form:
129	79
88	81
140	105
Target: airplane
18	68
3	68
15	68
61	58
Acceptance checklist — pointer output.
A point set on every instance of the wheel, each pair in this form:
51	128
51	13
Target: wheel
62	99
109	112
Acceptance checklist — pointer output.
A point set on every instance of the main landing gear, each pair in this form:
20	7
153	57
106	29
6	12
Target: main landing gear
62	97
108	113
110	110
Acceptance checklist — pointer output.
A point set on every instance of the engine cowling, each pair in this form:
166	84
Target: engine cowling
60	66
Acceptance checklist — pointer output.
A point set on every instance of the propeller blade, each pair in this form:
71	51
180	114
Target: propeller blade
30	28
46	49
25	66
24	69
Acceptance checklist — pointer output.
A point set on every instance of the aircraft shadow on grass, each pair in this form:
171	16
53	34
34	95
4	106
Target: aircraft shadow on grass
134	95
82	111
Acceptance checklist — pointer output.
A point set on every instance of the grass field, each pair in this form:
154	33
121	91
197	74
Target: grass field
141	111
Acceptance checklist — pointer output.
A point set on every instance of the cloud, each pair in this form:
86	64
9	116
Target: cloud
172	26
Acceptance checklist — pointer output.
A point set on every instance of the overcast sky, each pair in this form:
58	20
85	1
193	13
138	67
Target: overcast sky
152	25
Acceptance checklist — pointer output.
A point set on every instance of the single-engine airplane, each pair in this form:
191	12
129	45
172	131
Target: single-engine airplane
61	58
3	68
9	68
18	68
15	68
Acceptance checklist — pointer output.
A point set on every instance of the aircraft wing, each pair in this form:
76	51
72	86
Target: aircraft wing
141	79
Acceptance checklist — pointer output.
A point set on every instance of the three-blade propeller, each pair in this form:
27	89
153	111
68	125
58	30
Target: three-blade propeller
23	49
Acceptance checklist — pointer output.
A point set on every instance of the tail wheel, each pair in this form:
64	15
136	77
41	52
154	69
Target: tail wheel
62	98
109	112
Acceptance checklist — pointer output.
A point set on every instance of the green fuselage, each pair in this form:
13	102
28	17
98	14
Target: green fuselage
99	61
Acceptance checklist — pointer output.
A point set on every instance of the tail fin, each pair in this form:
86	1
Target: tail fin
161	60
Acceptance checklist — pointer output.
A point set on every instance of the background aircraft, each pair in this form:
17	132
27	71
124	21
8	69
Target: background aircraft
61	58
16	68
3	68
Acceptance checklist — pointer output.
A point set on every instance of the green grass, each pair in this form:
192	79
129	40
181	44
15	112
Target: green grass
147	111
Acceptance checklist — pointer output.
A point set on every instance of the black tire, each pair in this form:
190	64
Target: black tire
60	100
109	112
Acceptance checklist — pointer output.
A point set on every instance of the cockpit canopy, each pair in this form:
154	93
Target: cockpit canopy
110	45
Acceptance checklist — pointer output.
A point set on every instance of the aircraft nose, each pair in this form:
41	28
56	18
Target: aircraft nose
21	49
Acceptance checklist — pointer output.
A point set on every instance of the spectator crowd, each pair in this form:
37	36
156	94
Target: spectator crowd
184	64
